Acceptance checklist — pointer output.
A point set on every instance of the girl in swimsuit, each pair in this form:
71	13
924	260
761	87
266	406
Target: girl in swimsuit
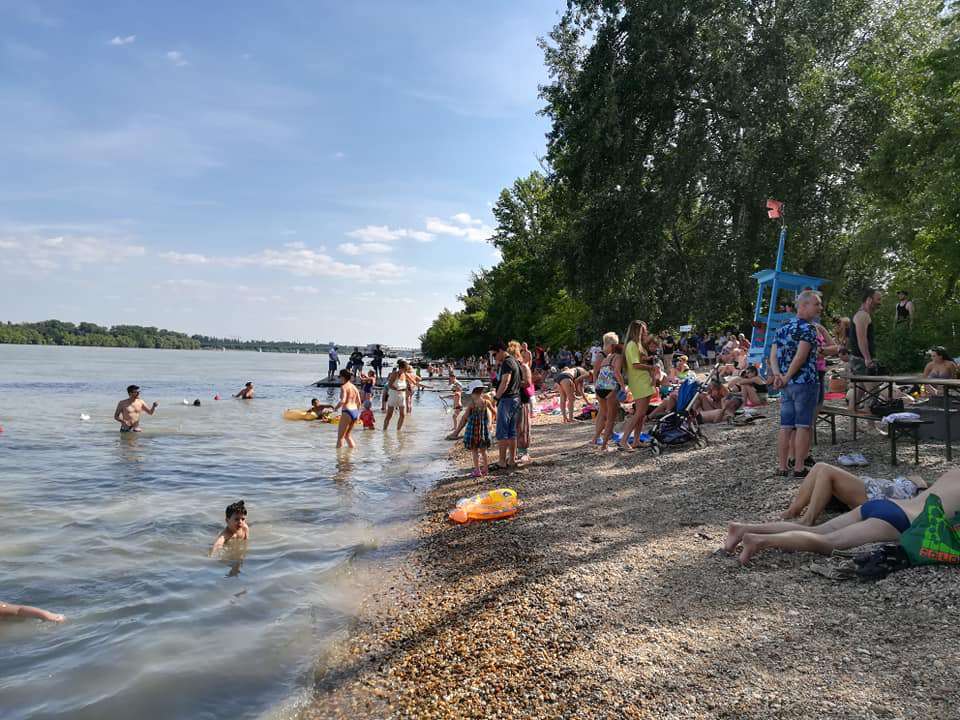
350	406
609	383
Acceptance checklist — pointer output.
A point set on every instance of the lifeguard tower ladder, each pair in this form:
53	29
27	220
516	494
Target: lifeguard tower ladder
767	322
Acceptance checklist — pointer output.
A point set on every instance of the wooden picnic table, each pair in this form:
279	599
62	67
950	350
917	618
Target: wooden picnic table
884	385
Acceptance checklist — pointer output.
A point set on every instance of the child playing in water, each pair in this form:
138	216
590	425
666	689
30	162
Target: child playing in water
367	417
25	611
236	529
366	387
456	393
349	407
476	437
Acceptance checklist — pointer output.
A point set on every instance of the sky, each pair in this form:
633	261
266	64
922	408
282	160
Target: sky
314	171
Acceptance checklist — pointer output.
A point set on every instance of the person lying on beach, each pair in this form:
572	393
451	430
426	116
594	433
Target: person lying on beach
128	411
9	610
246	393
879	520
236	529
825	481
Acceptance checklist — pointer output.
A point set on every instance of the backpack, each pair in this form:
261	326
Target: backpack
931	539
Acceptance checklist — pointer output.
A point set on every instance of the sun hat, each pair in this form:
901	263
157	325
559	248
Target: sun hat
474	386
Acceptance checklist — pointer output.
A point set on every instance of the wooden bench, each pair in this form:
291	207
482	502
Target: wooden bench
828	415
906	428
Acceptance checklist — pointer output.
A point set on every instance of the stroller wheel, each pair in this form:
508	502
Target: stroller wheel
702	442
655	448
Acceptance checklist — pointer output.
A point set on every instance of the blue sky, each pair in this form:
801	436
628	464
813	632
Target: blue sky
296	170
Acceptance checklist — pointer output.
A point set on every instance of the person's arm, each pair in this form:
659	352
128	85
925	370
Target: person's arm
148	410
910	313
618	370
218	543
340	401
803	351
116	414
578	387
504	381
863	343
26	611
774	366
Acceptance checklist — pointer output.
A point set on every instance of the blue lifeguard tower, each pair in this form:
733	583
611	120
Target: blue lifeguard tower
771	282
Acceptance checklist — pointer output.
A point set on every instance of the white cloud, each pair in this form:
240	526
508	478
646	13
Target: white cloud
296	244
339	155
176	57
44	253
303	262
463	226
384	234
185	258
465	219
350	248
127	40
306	289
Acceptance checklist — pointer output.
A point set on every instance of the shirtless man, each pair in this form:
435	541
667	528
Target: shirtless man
128	411
236	529
349	406
246	393
880	520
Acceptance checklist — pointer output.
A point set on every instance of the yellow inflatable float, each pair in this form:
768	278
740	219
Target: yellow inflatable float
299	415
492	505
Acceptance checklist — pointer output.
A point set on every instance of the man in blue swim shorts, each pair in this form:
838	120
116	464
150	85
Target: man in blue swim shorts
793	362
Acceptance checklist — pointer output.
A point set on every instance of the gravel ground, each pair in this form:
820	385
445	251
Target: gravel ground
607	597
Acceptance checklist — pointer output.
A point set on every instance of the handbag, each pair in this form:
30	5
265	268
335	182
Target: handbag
882	408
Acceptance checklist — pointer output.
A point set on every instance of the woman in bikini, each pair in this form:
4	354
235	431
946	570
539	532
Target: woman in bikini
879	520
941	367
609	384
349	406
570	384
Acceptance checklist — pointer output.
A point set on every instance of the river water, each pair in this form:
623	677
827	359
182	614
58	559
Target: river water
113	530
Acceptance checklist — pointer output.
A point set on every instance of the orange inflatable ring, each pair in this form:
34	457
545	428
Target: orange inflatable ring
492	505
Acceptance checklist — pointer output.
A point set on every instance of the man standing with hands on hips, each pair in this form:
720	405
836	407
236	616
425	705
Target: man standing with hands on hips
793	361
508	405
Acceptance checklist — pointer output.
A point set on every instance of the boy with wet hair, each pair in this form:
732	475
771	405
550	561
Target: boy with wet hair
236	529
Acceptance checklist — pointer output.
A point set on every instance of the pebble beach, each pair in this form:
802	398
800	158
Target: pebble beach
608	597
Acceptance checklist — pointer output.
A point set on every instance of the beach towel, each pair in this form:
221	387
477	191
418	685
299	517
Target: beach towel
931	539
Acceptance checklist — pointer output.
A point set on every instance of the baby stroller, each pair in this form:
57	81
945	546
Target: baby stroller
680	426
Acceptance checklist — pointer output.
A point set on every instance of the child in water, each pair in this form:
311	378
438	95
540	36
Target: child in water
236	529
476	437
367	417
366	387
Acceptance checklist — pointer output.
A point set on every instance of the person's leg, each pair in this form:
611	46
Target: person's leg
348	435
345	420
835	482
750	395
612	404
711	416
562	389
476	460
805	409
402	411
804	493
736	531
787	424
858	533
483	459
599	422
386	420
501	435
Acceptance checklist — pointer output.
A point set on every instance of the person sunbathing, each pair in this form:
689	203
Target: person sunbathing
879	520
749	386
825	481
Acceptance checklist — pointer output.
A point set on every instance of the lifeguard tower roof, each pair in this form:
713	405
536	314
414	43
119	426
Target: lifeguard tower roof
788	280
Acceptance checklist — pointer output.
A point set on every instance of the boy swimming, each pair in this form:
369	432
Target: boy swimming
236	529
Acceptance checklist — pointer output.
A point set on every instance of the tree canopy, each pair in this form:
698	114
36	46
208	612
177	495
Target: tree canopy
672	123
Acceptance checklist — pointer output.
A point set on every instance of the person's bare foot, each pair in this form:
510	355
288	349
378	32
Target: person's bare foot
734	533
626	447
807	520
53	617
789	514
751	545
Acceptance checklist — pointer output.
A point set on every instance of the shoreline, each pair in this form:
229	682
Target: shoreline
606	597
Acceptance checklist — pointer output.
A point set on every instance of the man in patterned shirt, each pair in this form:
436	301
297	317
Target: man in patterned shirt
793	362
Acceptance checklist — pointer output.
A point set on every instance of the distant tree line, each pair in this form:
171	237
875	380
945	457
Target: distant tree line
672	123
56	332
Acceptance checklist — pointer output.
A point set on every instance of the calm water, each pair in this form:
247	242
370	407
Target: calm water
113	530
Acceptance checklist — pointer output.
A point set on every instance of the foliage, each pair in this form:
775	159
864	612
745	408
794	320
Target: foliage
672	123
55	332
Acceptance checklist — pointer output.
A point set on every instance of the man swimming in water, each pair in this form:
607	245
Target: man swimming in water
128	411
236	529
246	393
880	520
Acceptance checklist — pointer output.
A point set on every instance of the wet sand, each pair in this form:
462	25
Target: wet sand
607	597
